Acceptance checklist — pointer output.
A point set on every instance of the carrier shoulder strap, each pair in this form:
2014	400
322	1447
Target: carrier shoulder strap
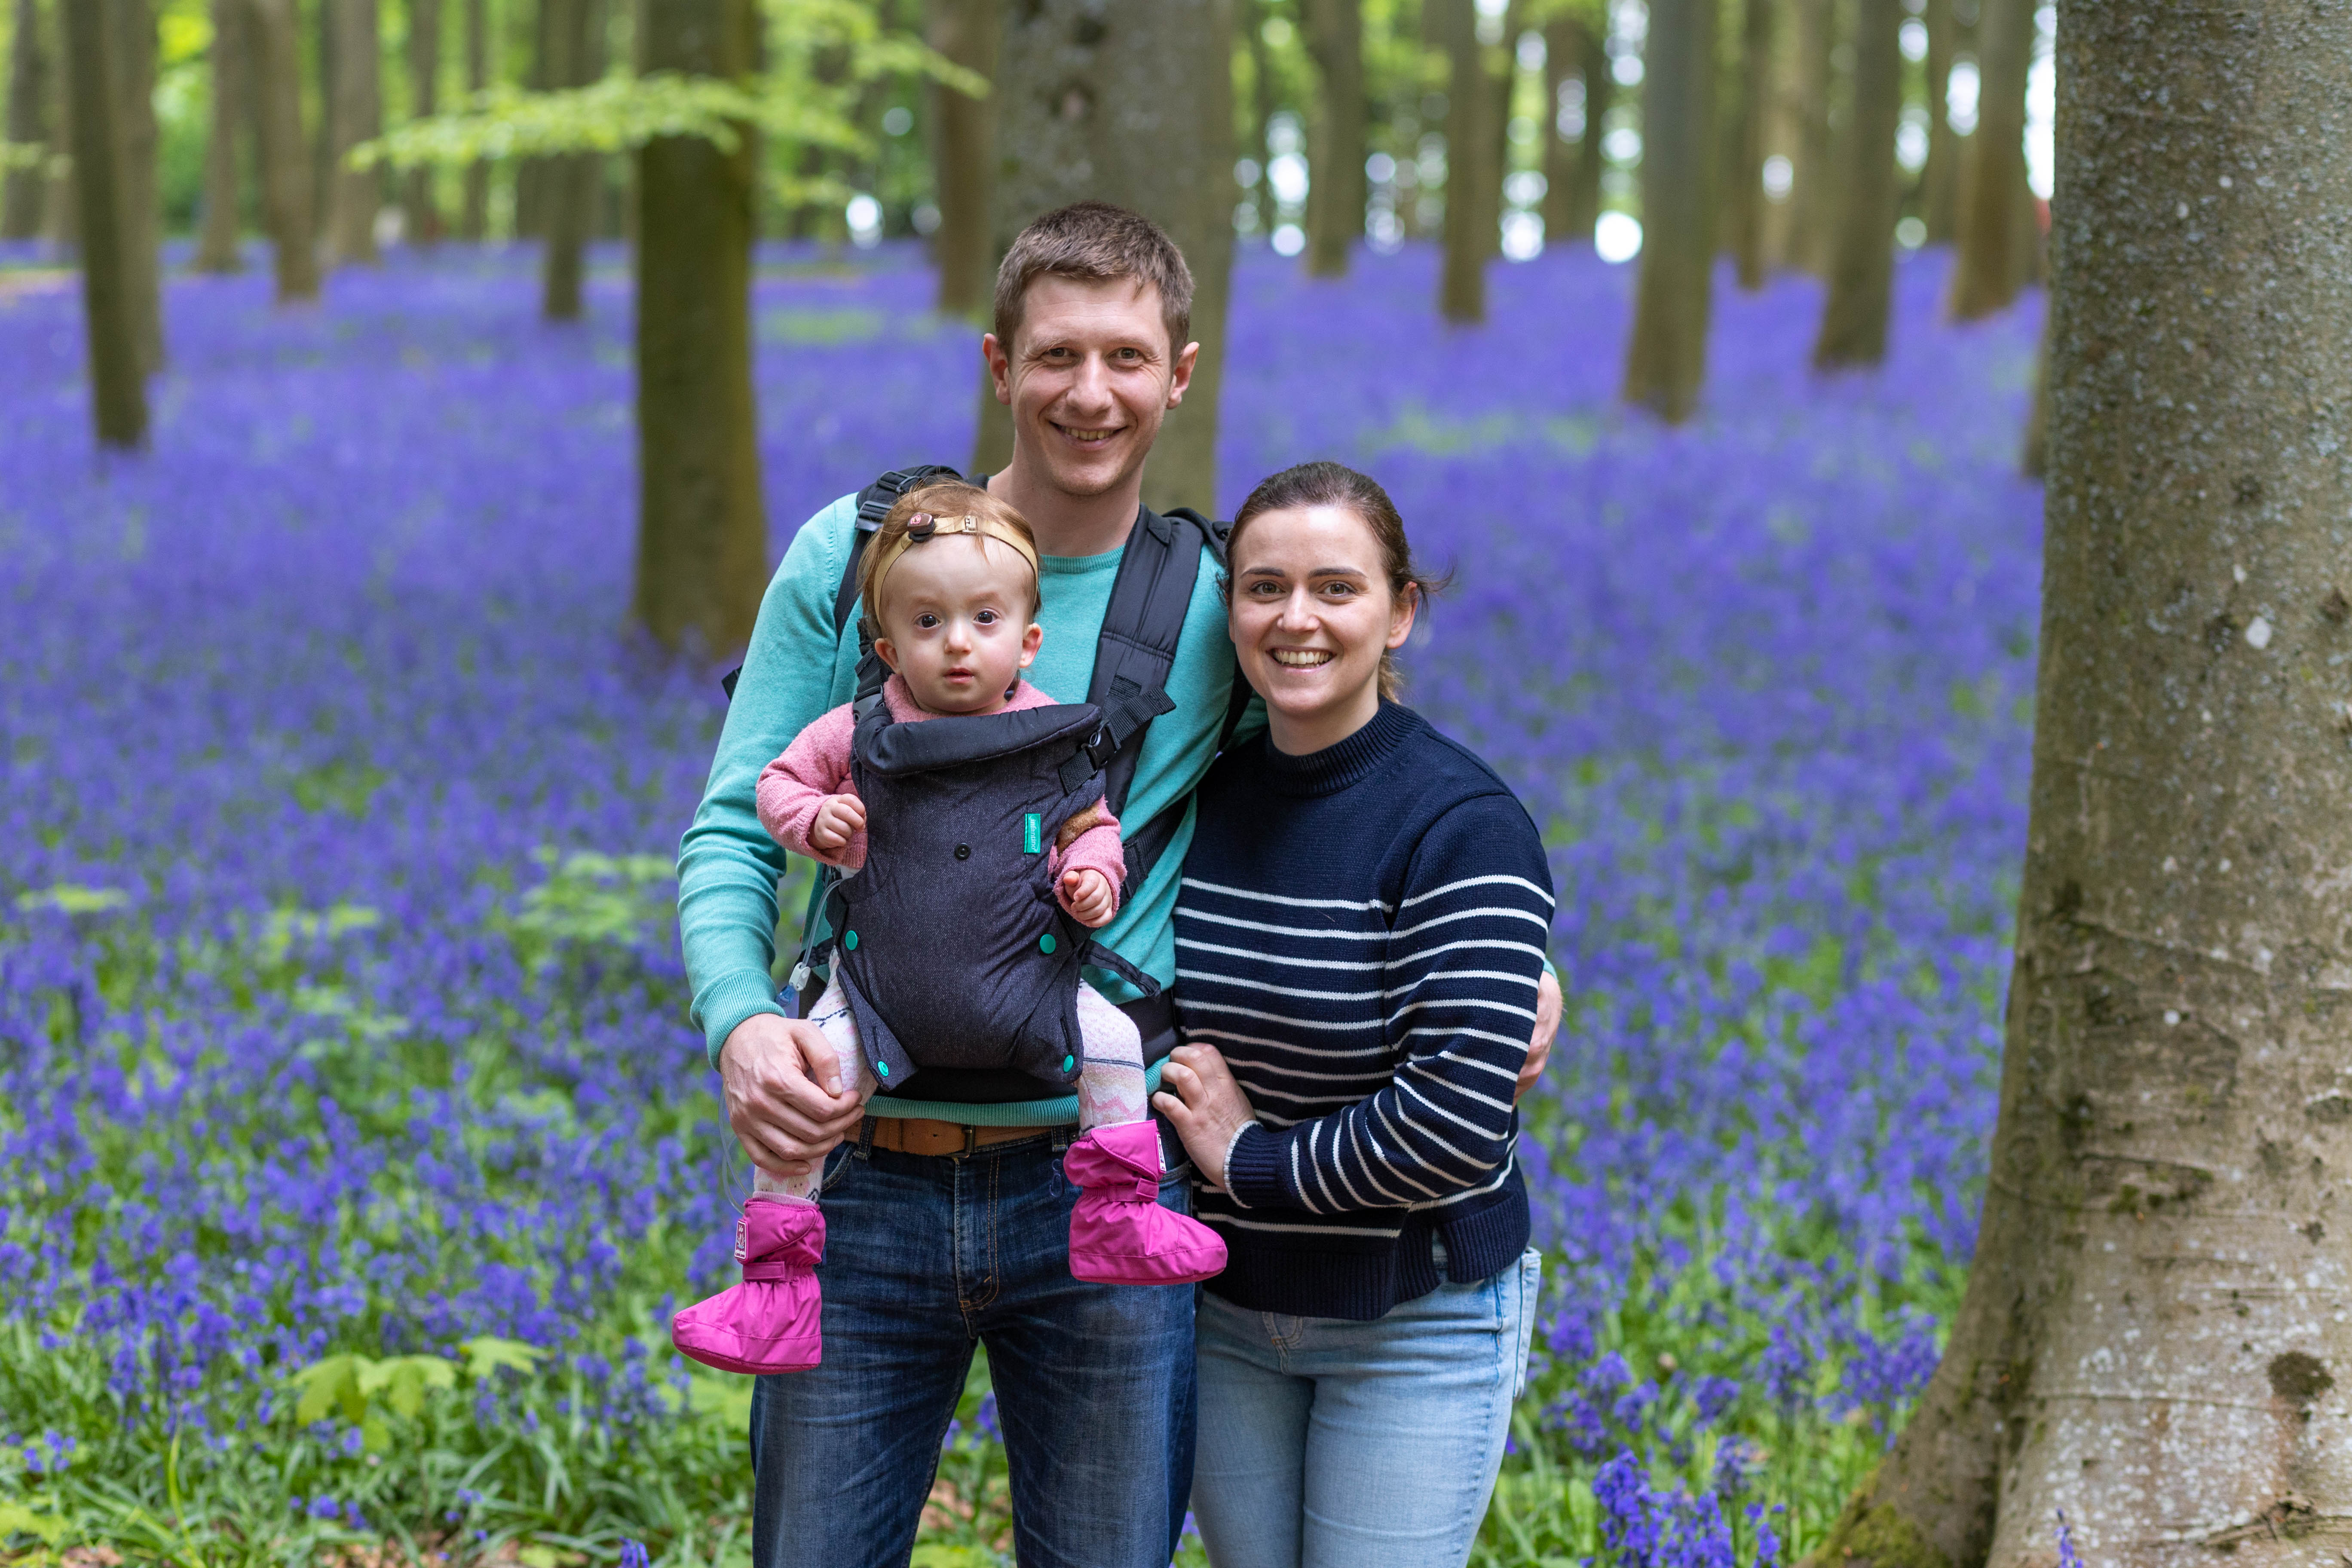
874	504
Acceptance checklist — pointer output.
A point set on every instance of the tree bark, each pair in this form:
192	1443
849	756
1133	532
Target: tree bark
272	31
218	246
1261	194
702	536
132	49
963	155
1335	200
1993	195
1813	218
473	214
1746	206
1940	180
28	120
565	182
354	196
1572	202
61	199
423	214
1666	363
118	388
1472	164
1128	101
2153	1336
1862	271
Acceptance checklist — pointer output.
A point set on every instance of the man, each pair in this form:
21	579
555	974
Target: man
947	1223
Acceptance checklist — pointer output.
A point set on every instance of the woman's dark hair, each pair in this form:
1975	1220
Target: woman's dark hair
1337	485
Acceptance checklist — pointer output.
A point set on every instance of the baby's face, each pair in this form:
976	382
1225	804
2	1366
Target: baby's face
956	622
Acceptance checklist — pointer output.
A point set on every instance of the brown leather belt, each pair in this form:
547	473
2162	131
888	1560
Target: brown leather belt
923	1135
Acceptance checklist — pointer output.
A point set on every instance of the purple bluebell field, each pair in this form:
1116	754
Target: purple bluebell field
355	1142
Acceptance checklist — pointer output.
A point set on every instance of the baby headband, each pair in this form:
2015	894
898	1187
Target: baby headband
924	527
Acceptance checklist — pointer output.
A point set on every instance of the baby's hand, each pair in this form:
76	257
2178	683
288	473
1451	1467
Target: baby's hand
839	819
1088	894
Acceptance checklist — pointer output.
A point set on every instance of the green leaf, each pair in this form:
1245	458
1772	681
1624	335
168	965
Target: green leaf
326	1383
410	1377
487	1354
67	897
16	1519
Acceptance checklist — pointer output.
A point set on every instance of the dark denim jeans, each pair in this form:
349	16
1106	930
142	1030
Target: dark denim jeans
925	1257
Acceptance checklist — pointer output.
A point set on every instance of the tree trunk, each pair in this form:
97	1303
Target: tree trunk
132	49
273	33
28	120
1746	207
1471	165
1139	111
1261	194
1940	180
702	536
565	182
1335	200
474	215
118	388
964	137
1862	273
2153	1338
1666	363
1994	195
422	213
217	244
1575	201
530	173
1813	218
61	199
355	195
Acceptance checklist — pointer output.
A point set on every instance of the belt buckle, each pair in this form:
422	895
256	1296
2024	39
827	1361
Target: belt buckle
970	1140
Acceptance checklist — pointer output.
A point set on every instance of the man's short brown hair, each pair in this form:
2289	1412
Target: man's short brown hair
1096	242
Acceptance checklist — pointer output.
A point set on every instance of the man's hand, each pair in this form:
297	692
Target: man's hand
840	818
1207	1107
1088	891
784	1096
1548	1009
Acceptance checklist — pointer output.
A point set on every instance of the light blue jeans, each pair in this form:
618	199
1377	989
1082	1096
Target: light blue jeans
1330	1444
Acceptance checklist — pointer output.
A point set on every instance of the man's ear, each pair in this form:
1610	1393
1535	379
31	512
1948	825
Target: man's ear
1182	379
998	357
1030	640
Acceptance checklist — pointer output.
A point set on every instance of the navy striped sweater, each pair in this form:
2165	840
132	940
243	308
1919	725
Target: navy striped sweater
1360	932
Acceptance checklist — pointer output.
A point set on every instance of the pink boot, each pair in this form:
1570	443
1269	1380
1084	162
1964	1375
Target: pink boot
1118	1234
768	1323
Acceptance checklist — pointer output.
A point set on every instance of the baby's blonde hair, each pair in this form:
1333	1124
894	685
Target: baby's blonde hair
948	499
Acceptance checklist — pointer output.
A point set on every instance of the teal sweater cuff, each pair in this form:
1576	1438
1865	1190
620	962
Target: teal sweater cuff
732	1001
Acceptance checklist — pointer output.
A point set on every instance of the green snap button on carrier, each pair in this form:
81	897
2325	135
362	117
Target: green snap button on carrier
1070	1062
849	941
1045	943
883	1068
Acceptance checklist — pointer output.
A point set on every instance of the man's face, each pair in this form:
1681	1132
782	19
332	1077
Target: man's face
1089	375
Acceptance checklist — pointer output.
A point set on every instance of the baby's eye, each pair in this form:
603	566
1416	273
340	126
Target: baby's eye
927	622
987	617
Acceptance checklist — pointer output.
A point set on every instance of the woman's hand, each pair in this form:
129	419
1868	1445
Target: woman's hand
1548	1010
840	818
1207	1108
1087	893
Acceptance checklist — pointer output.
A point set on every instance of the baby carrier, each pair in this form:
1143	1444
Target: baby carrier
1016	1023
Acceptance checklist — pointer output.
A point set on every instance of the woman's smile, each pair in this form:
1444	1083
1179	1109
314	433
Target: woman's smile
1303	657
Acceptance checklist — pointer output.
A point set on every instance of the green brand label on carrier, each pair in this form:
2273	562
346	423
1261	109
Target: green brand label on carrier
1033	831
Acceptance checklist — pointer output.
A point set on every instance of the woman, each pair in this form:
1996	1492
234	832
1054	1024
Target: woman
1358	944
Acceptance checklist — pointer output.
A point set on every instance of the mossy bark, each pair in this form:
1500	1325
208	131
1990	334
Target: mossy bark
1572	171
27	123
702	534
1473	164
1744	212
1862	266
356	110
118	388
420	211
1665	362
1335	201
1814	197
2154	1337
271	34
1939	182
566	183
219	242
137	138
1994	197
963	152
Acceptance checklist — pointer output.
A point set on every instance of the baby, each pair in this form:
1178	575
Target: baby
950	585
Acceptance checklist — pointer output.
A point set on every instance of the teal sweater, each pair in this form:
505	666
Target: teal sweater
796	668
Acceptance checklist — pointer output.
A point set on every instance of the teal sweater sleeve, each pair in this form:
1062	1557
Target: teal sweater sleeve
727	865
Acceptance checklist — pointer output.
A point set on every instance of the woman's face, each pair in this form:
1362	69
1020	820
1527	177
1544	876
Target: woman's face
1312	612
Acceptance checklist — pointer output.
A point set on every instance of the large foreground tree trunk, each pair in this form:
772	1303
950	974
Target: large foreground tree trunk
1472	164
2154	1337
275	40
118	388
354	196
1862	268
1812	218
136	138
218	248
474	211
1994	197
28	120
422	213
1744	211
1128	101
1335	201
1666	363
702	534
1940	180
963	144
566	183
